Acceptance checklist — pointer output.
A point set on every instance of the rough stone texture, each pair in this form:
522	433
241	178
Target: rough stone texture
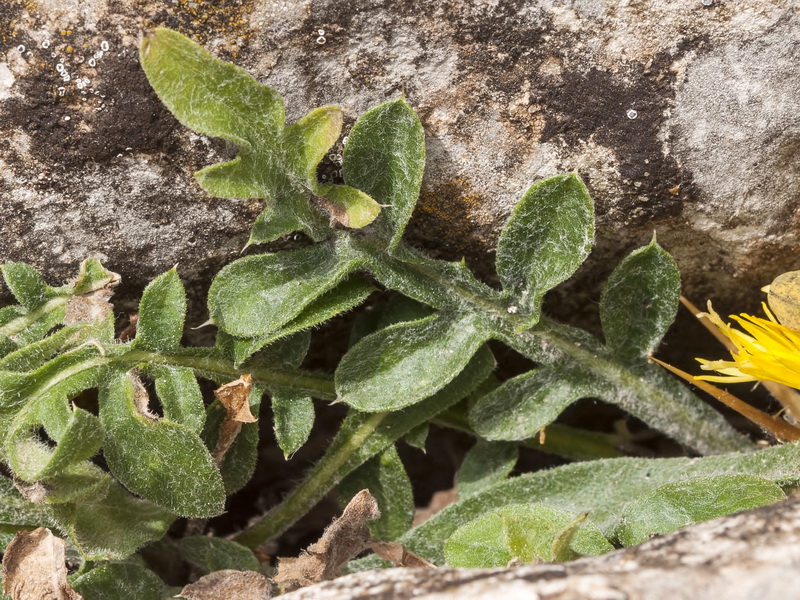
508	92
749	556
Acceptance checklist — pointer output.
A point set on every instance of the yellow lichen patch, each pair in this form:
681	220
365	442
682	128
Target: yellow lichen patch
206	19
451	211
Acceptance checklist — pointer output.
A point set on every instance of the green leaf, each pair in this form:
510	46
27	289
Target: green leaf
63	377
385	477
600	487
93	276
79	437
161	461
677	505
209	554
306	143
351	207
35	354
27	285
276	164
639	302
112	526
292	410
180	395
547	237
77	482
428	281
418	437
18	513
345	296
385	157
293	416
525	532
120	581
258	294
485	464
405	363
521	406
162	311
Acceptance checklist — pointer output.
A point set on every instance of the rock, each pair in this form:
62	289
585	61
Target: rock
740	557
682	118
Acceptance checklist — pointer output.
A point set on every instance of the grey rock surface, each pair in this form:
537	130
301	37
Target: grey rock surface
682	117
749	556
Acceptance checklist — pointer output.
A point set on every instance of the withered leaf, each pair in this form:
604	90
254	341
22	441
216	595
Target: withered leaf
33	567
235	397
230	585
342	541
94	305
440	500
396	553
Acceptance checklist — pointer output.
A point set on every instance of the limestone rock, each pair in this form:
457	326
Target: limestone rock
740	557
682	117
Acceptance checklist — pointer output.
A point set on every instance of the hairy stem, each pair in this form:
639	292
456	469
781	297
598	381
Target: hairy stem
659	401
326	474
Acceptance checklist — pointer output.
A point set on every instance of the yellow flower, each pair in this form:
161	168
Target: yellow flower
764	351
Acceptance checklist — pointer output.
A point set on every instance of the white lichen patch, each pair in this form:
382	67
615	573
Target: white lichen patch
6	80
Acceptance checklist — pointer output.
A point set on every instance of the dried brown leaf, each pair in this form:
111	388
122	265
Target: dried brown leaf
92	306
342	541
440	500
228	584
141	399
396	553
34	569
235	397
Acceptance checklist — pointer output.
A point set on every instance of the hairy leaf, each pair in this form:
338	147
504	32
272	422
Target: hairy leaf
112	526
521	406
160	460
526	532
258	294
584	487
385	157
77	432
405	363
119	581
639	302
180	395
345	296
27	285
386	479
677	505
546	239
293	415
485	464
279	165
161	314
211	554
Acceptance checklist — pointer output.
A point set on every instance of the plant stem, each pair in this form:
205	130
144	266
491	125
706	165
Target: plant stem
319	385
322	478
659	401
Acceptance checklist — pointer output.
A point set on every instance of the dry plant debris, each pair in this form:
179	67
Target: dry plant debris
235	397
342	541
230	585
34	569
